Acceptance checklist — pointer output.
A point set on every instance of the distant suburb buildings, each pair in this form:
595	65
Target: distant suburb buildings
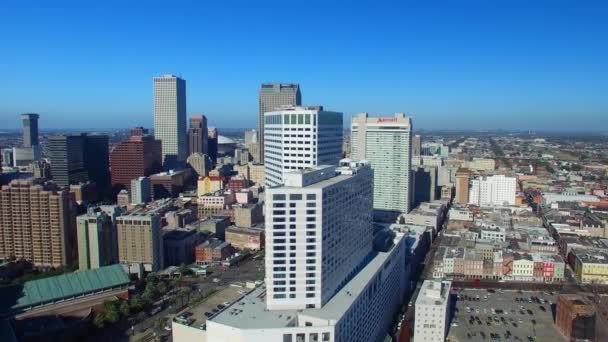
299	137
271	97
170	118
386	144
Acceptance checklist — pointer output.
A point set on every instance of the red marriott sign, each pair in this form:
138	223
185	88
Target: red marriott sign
387	120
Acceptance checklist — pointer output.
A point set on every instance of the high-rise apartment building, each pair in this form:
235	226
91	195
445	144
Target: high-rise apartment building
299	137
319	228
493	190
386	143
432	311
37	223
139	156
197	134
273	96
140	241
141	190
170	118
30	129
97	244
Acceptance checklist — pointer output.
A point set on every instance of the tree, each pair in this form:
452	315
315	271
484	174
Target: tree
124	309
99	320
112	315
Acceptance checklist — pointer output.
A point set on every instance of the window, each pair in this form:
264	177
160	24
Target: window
311	197
295	197
278	197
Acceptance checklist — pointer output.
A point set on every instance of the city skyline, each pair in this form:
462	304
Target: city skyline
452	66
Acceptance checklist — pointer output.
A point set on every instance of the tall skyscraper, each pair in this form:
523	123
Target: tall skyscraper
170	118
97	163
299	137
273	96
30	129
136	157
212	144
97	240
37	223
386	143
319	228
66	154
197	135
79	158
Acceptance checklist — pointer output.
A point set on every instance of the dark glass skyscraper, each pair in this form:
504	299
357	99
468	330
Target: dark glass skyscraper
30	129
197	135
79	158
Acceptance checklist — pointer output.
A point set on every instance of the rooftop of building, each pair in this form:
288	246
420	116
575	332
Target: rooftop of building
214	244
434	292
65	286
176	233
591	255
246	230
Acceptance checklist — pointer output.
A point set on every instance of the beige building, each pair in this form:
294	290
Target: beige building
247	215
140	241
481	164
252	172
37	223
245	238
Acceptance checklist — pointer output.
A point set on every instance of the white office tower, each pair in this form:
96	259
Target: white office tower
141	190
319	228
386	144
299	137
273	96
432	310
493	190
329	277
170	118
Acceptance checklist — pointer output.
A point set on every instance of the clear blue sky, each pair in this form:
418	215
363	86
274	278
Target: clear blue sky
513	64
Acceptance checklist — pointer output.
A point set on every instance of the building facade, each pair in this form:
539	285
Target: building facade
297	138
170	118
140	241
97	240
197	135
316	211
492	190
386	144
141	190
37	223
271	97
139	156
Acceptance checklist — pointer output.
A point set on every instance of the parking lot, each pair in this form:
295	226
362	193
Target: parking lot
500	315
198	314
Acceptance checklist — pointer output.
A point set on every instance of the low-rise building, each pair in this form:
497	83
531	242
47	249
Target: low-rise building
591	265
178	244
245	238
575	317
248	215
216	225
213	251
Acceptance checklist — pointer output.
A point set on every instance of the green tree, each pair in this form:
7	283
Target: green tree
112	315
124	309
99	320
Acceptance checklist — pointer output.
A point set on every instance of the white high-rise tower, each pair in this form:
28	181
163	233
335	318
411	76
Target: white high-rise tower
170	118
299	137
319	233
386	144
